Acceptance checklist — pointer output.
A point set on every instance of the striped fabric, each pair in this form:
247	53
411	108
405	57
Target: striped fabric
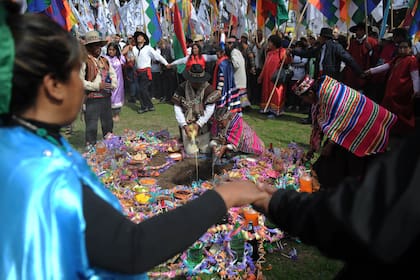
352	120
243	137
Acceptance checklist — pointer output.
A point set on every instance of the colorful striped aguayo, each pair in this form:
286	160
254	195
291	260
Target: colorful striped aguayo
352	120
243	137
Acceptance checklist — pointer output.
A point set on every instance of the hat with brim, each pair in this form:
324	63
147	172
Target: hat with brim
359	26
303	85
144	35
326	32
198	38
93	37
196	74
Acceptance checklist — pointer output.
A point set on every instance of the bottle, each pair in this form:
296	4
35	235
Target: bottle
108	81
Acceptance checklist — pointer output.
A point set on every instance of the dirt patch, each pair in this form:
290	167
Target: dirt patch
184	172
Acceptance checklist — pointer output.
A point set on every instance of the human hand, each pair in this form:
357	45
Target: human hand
262	205
192	130
104	85
220	151
241	192
168	66
366	74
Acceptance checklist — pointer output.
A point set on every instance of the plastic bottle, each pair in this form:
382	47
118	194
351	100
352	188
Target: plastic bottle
108	81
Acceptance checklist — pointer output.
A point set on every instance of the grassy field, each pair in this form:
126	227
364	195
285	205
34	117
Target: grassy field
310	264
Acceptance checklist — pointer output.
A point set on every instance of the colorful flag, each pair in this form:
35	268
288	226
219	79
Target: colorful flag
282	12
179	45
115	15
265	9
327	8
344	11
38	6
154	31
415	24
294	5
60	12
356	10
204	19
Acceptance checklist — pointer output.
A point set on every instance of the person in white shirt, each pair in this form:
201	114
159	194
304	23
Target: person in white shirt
239	70
144	54
194	104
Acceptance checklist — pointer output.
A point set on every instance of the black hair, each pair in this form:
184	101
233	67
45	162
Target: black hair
116	46
276	40
42	47
406	40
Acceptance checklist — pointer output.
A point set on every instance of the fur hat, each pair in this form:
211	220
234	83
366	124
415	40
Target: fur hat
92	37
303	85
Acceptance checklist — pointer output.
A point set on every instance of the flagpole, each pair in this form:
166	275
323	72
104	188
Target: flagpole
230	24
142	18
392	15
366	21
282	63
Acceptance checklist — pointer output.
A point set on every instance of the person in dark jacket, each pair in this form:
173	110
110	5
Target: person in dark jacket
373	226
328	56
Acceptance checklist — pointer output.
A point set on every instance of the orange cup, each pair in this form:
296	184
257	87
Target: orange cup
100	148
305	183
251	215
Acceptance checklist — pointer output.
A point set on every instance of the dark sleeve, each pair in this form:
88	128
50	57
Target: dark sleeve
308	53
179	94
347	58
377	219
115	243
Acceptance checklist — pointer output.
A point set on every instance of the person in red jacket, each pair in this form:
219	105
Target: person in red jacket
361	48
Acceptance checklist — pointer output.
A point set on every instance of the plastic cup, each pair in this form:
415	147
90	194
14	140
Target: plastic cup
251	215
305	183
100	148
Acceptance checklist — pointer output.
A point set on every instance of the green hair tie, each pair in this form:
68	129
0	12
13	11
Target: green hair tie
7	57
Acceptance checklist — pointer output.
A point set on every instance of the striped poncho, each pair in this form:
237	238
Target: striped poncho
352	120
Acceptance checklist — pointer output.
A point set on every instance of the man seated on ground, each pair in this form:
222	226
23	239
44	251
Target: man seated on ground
194	104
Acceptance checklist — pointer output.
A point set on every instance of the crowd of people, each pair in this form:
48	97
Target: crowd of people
63	223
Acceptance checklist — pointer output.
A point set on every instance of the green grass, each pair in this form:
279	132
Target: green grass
310	264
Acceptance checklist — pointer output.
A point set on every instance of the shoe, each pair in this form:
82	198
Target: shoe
131	100
142	111
305	121
151	109
271	116
261	111
297	109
